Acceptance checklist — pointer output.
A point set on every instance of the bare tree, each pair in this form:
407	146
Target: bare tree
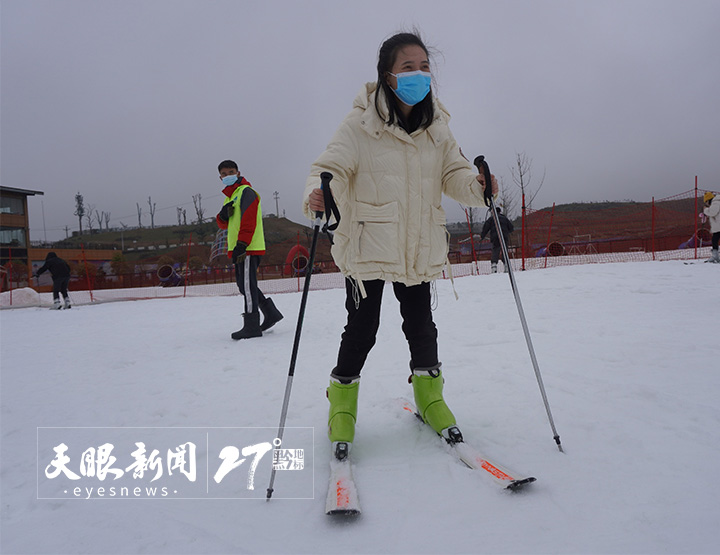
521	173
99	217
197	201
89	217
184	214
179	215
107	220
507	198
139	211
152	213
473	216
79	209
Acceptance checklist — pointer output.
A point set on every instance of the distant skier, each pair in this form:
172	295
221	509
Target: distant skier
60	272
507	228
241	215
712	211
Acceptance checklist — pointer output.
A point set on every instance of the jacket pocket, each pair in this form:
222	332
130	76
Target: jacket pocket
439	240
376	233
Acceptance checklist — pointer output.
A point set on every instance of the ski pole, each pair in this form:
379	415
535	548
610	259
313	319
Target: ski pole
325	178
483	168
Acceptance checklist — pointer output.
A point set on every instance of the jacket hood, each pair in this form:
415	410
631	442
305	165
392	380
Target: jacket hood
50	255
375	125
388	186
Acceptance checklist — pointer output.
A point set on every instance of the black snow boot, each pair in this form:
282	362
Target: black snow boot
271	315
251	327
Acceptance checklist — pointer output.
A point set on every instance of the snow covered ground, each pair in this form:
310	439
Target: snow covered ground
629	354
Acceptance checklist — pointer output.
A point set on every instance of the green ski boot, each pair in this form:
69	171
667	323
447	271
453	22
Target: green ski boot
427	386
343	411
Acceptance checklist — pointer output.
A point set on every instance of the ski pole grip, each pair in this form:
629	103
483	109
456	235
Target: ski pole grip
483	168
325	179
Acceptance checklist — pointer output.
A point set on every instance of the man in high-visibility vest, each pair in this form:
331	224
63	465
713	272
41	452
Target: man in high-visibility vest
241	215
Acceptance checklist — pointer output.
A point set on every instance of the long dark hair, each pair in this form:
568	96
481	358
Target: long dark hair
422	113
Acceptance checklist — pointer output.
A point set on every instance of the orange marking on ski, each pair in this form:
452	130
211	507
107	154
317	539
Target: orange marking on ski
494	470
343	495
408	408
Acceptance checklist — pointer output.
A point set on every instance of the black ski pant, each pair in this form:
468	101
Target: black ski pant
246	278
496	254
363	321
715	240
60	287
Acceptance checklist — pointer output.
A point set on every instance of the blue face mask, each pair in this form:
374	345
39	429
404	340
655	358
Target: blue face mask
229	180
412	86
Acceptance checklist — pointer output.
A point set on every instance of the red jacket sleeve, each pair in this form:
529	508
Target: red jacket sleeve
249	205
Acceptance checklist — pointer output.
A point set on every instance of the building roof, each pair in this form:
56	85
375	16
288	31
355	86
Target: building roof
28	192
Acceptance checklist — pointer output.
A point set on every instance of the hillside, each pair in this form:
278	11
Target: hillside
619	225
148	244
602	221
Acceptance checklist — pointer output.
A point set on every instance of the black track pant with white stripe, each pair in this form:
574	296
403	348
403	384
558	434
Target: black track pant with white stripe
246	277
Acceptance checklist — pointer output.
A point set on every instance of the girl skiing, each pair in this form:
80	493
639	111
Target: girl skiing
391	159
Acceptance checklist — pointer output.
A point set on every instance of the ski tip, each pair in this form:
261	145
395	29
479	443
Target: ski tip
517	485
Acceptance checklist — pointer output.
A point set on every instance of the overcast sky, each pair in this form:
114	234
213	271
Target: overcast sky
122	100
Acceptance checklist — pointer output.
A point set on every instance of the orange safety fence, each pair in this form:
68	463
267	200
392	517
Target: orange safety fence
673	223
667	229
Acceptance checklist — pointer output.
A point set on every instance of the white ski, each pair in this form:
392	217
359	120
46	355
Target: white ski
474	459
342	497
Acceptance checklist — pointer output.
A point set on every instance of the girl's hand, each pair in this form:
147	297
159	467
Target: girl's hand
481	179
316	201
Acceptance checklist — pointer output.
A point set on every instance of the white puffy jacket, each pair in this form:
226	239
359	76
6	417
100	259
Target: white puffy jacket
713	213
388	187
